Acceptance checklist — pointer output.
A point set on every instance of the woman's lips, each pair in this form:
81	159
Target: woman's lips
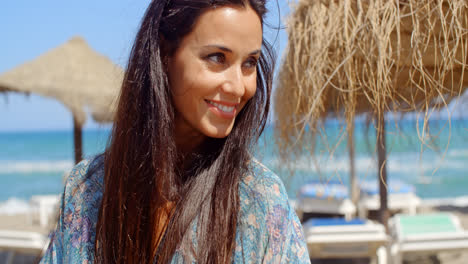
224	110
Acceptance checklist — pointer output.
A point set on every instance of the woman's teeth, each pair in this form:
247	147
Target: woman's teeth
226	109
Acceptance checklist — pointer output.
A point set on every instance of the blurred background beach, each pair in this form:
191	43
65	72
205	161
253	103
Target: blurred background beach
34	162
36	137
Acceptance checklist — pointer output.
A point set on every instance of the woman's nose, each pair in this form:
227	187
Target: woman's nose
234	82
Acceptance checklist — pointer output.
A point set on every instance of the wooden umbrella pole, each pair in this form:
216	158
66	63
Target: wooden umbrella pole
382	170
352	165
78	140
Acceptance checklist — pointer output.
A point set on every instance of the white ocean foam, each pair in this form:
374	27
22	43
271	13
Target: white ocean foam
461	201
325	165
35	166
416	166
404	163
14	206
458	153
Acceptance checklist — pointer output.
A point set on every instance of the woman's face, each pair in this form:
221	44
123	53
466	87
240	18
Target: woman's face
213	72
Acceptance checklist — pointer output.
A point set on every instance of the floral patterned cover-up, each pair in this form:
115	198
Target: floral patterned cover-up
268	230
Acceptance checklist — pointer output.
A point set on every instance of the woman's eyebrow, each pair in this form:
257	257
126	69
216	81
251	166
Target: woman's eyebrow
223	48
255	52
226	49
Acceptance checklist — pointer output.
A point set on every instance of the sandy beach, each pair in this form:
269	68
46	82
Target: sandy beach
23	222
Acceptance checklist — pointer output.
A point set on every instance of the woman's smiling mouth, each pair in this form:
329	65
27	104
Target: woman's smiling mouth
222	109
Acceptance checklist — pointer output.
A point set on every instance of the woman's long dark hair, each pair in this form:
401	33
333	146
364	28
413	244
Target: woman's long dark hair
143	172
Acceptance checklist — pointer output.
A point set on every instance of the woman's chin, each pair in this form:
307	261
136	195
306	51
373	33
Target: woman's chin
218	131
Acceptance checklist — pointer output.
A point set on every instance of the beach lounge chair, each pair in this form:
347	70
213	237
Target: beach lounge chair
401	198
326	199
22	242
337	238
43	208
426	234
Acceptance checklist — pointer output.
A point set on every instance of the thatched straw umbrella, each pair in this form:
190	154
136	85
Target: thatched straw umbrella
75	75
368	56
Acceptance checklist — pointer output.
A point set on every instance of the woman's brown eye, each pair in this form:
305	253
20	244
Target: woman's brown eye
218	58
251	63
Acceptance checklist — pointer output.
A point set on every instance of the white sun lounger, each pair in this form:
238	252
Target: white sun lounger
22	242
401	198
44	208
324	198
340	238
426	235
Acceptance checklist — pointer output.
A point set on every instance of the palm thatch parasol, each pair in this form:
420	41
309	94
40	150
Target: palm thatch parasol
368	56
75	75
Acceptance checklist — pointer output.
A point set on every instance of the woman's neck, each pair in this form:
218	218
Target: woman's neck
188	140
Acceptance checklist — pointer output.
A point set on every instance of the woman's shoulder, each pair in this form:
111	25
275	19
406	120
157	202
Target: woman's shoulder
262	184
73	238
269	230
84	186
87	173
262	191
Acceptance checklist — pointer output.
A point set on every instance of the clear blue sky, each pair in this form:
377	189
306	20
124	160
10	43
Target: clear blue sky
30	28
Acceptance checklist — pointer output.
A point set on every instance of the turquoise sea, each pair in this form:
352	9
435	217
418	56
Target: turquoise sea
34	162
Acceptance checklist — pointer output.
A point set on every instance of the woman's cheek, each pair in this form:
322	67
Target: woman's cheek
251	88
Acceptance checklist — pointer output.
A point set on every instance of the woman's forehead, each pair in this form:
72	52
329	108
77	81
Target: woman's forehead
237	28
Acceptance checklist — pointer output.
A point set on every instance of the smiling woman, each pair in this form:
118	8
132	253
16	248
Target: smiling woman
178	183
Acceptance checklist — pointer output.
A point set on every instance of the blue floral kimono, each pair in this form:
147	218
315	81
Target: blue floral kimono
268	230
